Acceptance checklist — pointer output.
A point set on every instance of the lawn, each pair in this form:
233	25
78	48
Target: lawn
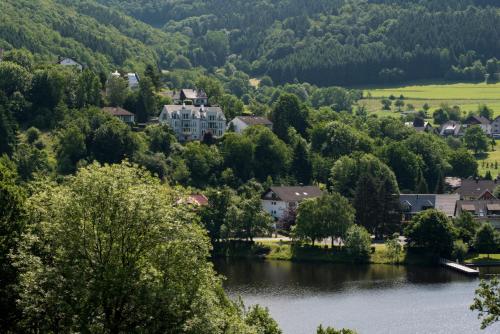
466	95
490	161
473	258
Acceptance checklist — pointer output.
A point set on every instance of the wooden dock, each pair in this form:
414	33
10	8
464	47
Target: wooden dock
460	268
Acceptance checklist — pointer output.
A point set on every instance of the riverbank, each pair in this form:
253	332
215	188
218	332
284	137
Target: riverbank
289	251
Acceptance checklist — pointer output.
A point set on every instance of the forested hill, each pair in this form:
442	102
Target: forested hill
324	42
330	42
91	33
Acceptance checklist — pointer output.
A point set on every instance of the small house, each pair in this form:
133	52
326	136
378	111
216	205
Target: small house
240	123
120	113
475	189
278	200
412	204
65	61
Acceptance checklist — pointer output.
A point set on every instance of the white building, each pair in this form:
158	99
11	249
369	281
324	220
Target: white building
495	127
278	200
240	123
64	61
193	122
133	80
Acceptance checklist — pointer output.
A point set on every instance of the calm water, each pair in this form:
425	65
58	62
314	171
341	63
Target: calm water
371	299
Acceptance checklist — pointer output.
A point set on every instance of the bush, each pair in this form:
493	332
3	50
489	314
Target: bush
32	135
460	250
358	242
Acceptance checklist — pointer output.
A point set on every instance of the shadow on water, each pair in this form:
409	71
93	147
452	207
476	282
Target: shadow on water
292	277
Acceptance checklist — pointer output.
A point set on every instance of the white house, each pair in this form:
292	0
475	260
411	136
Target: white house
133	80
64	61
240	123
120	113
495	127
193	122
278	200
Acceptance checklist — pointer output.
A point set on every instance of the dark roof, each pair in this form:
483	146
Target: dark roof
254	120
474	119
415	203
117	111
479	208
292	194
475	188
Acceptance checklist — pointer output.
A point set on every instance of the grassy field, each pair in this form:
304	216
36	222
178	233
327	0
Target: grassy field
468	96
489	161
483	258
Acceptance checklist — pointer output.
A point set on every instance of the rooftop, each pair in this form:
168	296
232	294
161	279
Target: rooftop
254	120
292	193
117	111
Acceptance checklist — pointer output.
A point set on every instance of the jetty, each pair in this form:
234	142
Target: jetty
459	267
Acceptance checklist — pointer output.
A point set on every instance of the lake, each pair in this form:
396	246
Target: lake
370	299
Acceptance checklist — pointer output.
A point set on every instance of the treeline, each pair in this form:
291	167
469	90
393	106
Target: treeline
92	34
331	42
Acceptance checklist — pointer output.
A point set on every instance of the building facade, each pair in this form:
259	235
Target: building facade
278	200
120	113
412	204
192	122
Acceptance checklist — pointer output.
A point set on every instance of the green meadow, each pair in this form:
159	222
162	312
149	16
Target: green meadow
468	96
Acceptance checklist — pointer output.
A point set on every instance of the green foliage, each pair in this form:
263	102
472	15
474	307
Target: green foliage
486	302
432	231
12	214
259	318
358	242
394	248
116	91
487	239
330	330
466	227
460	250
475	139
289	112
13	78
463	163
330	215
88	244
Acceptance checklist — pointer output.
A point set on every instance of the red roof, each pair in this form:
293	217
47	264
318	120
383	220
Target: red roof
197	199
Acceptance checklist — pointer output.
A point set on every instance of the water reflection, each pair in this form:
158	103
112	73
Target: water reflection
370	299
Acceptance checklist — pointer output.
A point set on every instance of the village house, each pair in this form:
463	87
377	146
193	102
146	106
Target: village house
65	61
131	78
412	204
495	127
240	123
196	97
192	122
451	128
120	113
480	121
278	200
420	126
476	189
481	210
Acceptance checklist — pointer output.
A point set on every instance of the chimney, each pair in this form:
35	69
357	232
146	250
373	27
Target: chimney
477	179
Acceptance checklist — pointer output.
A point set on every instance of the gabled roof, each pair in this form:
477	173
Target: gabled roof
419	202
292	194
254	120
474	119
194	93
476	188
198	111
480	208
117	111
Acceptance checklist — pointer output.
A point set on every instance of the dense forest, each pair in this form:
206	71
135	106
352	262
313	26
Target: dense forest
341	42
338	42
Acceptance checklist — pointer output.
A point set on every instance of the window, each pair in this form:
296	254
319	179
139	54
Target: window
185	116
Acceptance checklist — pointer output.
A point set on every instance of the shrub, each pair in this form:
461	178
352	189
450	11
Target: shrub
358	242
460	250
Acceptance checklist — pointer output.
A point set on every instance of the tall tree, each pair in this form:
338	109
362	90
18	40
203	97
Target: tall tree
289	112
117	253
